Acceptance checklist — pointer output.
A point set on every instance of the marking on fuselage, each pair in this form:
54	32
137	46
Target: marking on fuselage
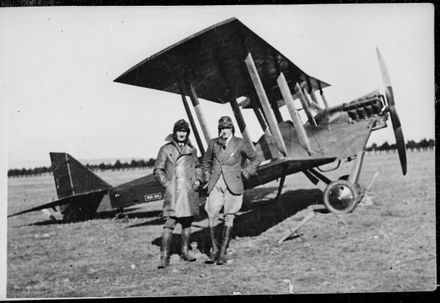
152	197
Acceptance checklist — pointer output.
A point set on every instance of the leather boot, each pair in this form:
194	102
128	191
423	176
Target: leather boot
167	235
227	231
215	251
186	235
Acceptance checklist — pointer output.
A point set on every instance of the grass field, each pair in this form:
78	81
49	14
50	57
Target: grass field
386	246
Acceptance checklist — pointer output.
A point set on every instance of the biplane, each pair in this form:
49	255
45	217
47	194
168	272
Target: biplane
229	63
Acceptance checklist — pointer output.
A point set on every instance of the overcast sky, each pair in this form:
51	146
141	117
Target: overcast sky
57	67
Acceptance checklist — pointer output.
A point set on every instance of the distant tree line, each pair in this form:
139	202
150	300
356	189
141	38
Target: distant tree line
424	144
118	165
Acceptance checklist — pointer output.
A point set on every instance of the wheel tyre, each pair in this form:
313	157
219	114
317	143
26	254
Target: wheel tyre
340	197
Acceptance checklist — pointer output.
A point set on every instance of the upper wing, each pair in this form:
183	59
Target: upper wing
214	61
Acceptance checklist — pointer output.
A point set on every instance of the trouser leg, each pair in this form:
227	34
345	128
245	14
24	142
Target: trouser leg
213	207
167	235
233	204
186	236
215	249
227	232
229	219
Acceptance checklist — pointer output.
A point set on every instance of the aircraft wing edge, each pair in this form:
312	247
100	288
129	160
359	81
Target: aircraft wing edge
120	78
285	166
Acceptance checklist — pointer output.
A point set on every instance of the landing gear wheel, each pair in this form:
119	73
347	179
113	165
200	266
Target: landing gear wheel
340	197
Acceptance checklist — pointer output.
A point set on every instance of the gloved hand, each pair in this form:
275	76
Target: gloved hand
196	185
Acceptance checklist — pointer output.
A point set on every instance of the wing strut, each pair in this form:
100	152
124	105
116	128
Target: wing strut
322	95
297	123
240	120
191	120
198	109
275	130
312	93
260	118
277	112
305	104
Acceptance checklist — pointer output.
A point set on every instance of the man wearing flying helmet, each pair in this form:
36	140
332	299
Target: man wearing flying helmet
178	171
222	168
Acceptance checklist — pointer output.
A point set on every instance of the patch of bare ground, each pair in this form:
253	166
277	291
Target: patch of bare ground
386	246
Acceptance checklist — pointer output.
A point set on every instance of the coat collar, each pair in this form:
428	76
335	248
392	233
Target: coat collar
170	139
225	154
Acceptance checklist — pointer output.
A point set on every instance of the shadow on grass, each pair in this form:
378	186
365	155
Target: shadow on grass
112	215
256	216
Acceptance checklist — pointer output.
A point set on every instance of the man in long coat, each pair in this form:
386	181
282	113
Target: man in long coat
178	170
222	167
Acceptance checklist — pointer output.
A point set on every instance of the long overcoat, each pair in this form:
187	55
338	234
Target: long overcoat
229	161
177	169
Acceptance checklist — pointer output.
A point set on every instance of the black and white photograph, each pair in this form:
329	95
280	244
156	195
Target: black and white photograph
217	150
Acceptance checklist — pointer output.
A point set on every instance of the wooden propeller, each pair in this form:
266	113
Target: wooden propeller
397	127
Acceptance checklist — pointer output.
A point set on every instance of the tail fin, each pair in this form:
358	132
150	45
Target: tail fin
72	178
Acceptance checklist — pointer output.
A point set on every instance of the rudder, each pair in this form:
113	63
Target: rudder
71	177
